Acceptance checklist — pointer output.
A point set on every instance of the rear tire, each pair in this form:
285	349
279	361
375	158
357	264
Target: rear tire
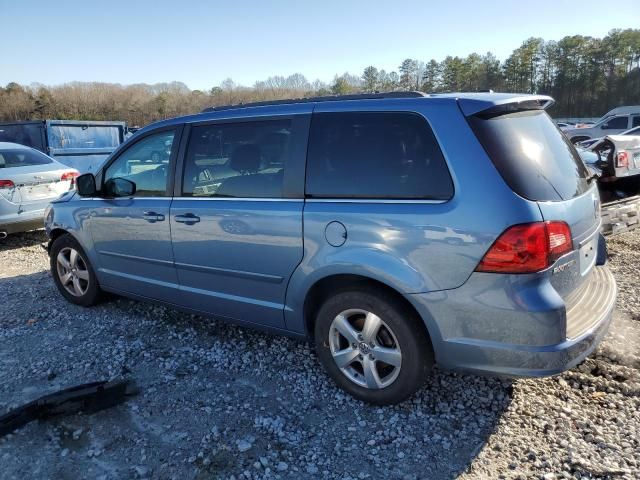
372	346
72	272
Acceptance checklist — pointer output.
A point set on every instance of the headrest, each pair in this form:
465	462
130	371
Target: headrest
246	158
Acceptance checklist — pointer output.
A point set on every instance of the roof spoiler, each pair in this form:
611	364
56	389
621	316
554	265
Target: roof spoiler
508	104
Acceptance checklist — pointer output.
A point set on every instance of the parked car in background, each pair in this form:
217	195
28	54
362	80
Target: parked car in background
29	180
614	122
564	125
82	145
616	161
592	141
358	222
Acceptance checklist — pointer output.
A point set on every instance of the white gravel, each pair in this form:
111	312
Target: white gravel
219	401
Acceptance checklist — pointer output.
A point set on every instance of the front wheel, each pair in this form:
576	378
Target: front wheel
72	272
372	346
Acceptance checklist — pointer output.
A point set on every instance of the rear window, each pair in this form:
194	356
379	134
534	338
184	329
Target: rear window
375	155
536	160
22	158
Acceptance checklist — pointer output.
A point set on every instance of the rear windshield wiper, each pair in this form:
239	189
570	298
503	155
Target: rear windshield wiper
88	398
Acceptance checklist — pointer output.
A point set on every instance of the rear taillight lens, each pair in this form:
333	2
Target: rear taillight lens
71	175
527	248
6	184
622	160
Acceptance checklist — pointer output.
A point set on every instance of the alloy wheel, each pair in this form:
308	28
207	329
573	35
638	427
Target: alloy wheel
365	349
72	271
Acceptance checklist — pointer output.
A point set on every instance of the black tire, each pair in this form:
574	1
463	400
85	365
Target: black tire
407	330
93	293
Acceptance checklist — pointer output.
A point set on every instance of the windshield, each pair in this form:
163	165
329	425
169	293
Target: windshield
535	159
22	158
83	136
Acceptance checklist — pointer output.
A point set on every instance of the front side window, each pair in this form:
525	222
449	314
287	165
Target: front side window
237	159
146	163
616	123
375	155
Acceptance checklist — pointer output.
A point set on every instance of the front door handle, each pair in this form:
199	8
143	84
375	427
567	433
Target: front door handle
153	217
187	218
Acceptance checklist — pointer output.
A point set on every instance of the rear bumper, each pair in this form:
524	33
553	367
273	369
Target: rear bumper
590	316
23	222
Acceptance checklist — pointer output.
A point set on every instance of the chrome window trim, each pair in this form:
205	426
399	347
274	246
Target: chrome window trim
124	198
258	199
373	200
240	199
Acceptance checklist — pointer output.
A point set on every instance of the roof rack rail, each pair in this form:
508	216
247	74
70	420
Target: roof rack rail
327	98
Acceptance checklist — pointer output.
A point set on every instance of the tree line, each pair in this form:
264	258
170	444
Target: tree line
587	76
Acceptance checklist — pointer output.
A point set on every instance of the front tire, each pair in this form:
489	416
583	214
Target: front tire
372	345
72	272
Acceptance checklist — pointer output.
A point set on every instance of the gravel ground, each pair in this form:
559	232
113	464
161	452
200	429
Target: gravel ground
219	401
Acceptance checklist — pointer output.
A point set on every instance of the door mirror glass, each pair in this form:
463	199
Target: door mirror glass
86	185
119	187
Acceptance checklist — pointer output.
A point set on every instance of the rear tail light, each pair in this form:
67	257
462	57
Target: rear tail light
71	175
622	160
527	248
6	184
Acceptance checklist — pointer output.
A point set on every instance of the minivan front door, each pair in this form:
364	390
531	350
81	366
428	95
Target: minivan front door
131	235
236	231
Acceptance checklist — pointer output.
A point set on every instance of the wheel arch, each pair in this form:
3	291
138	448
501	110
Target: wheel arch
328	285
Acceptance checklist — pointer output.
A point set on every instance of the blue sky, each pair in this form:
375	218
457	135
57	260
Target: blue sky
203	42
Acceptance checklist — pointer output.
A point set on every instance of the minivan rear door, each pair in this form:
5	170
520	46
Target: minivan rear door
236	217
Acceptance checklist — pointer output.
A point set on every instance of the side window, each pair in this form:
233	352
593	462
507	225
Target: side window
146	163
375	155
237	159
616	123
636	121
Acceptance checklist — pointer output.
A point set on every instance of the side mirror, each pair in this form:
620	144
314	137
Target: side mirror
119	187
605	126
86	185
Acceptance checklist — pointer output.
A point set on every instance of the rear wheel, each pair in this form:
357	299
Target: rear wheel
372	346
72	272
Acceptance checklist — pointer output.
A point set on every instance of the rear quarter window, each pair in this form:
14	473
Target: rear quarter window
375	155
535	159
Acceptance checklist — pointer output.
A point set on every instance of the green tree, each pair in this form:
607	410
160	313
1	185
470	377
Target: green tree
370	80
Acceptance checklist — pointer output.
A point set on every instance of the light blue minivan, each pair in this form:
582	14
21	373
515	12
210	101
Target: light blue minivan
395	230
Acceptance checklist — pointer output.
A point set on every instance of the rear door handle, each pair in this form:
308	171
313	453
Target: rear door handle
153	217
187	218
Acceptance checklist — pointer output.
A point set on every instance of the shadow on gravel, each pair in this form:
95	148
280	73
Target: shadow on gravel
21	240
216	400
